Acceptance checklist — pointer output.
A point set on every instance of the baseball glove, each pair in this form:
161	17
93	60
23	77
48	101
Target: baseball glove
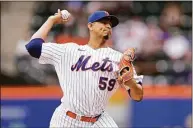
126	69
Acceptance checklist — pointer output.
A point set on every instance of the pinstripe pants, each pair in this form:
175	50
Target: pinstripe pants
61	120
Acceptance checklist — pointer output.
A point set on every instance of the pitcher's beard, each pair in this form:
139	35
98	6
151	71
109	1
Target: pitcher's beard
106	37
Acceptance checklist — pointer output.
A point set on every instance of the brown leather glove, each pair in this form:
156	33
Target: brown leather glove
126	67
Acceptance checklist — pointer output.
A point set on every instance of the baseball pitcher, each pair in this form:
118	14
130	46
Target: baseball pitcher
88	74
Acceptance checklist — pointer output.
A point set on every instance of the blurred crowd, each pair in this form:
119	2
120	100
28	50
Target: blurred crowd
160	31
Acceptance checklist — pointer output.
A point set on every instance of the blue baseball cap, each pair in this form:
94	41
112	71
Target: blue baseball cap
98	15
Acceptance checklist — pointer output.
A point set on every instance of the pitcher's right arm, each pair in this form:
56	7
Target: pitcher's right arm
35	45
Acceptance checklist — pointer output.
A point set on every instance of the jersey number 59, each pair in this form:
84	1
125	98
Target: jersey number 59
104	83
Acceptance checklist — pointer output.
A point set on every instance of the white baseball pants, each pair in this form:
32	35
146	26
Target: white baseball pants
61	120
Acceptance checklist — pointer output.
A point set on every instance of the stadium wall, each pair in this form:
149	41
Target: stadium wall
161	107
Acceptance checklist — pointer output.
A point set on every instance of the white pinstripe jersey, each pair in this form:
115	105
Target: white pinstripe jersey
87	76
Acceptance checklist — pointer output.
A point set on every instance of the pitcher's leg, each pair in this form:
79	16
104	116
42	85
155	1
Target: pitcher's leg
105	121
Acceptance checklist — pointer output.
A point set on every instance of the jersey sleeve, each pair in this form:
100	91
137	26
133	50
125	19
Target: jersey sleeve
51	53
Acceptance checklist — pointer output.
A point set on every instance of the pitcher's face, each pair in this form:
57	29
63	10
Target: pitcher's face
102	28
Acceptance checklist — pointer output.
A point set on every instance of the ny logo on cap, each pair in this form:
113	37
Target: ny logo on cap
106	13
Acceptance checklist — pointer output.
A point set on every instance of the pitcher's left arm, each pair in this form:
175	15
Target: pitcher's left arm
135	90
127	76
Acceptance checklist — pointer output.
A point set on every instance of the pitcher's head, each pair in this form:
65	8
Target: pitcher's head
101	24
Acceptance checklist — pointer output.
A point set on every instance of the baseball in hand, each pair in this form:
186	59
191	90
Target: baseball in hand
65	14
